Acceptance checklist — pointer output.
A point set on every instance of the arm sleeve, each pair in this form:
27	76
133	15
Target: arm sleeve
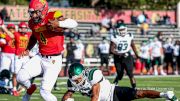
68	23
112	38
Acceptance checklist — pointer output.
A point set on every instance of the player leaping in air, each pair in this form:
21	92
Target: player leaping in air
47	29
92	83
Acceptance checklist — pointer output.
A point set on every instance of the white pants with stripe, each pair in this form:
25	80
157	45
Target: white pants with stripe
49	66
19	62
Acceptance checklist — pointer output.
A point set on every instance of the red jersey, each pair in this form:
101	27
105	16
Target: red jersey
21	42
10	44
50	42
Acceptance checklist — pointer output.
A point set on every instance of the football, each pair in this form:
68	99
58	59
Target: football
53	25
2	42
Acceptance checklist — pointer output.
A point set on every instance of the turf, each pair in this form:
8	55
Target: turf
150	83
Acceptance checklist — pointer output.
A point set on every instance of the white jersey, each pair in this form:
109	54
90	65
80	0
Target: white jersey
145	52
168	47
176	50
104	48
156	49
123	44
94	76
79	52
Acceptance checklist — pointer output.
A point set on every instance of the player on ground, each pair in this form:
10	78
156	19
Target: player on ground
121	43
92	83
47	29
21	42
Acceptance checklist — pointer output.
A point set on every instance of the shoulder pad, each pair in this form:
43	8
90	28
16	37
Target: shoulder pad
90	74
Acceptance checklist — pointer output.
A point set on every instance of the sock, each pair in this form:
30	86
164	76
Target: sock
134	85
14	89
162	94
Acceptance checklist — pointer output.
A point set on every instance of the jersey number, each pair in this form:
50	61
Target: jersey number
43	39
23	43
122	46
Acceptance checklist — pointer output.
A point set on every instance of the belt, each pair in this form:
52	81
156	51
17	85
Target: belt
49	56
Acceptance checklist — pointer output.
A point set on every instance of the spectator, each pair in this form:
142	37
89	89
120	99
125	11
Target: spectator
168	53
71	46
79	52
166	19
4	14
144	28
177	56
160	36
96	29
141	18
103	50
157	19
64	3
106	22
133	18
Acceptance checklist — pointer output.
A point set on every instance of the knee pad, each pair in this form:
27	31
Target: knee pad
23	76
47	95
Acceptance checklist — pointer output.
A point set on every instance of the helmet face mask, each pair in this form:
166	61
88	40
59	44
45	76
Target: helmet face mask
23	27
121	29
23	30
36	15
37	10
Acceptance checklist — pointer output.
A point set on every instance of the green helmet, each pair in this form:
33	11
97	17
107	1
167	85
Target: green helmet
75	71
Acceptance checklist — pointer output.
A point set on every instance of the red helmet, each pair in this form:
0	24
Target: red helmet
39	6
23	24
23	27
11	26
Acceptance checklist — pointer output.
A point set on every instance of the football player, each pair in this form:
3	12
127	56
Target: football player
121	43
21	42
8	50
47	29
145	56
156	52
168	48
103	50
92	83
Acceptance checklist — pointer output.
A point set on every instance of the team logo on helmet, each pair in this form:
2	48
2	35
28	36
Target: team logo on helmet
75	71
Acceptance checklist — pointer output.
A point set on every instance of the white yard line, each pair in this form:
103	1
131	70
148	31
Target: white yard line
3	99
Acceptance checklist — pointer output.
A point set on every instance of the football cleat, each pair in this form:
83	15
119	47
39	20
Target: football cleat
29	92
170	96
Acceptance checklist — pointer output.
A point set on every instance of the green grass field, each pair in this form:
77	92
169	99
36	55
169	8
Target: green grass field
151	83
